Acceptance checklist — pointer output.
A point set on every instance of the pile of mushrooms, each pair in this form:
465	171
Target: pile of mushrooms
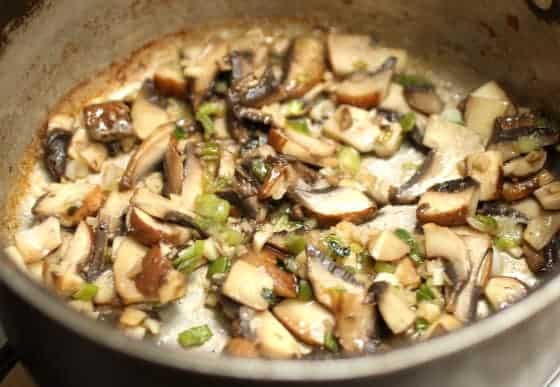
245	161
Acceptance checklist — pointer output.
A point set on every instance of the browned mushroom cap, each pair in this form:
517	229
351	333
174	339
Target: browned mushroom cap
334	204
248	284
108	122
128	259
549	196
527	165
170	81
538	136
501	292
284	282
173	167
307	320
70	202
38	241
366	89
56	152
449	203
273	340
355	323
424	100
483	106
393	307
254	90
349	53
442	242
486	169
208	63
152	275
277	181
147	156
541	230
150	231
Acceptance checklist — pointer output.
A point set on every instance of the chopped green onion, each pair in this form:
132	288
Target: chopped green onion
86	293
179	132
232	237
505	243
191	258
405	236
204	116
409	80
336	247
219	266
489	223
295	108
383	267
218	184
408	122
425	293
330	342
195	337
268	295
290	265
212	207
305	293
210	151
421	324
527	144
349	160
284	224
300	126
295	244
260	169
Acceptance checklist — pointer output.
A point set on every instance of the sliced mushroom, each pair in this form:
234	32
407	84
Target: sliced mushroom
247	285
273	340
450	144
283	145
56	152
424	100
108	122
106	293
529	208
407	274
254	91
307	320
150	231
277	181
394	309
147	156
162	208
365	89
332	205
445	324
112	212
39	241
501	292
64	271
449	203
355	127
315	146
527	165
239	347
348	53
306	68
148	112
441	242
207	68
538	136
70	202
541	230
395	101
355	323
170	81
127	265
173	168
549	196
486	169
193	181
284	282
153	274
82	149
484	105
388	247
513	191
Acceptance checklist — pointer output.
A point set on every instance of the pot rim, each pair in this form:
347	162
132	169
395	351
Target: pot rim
277	370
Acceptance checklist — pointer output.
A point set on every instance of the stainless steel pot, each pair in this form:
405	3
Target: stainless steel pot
61	43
